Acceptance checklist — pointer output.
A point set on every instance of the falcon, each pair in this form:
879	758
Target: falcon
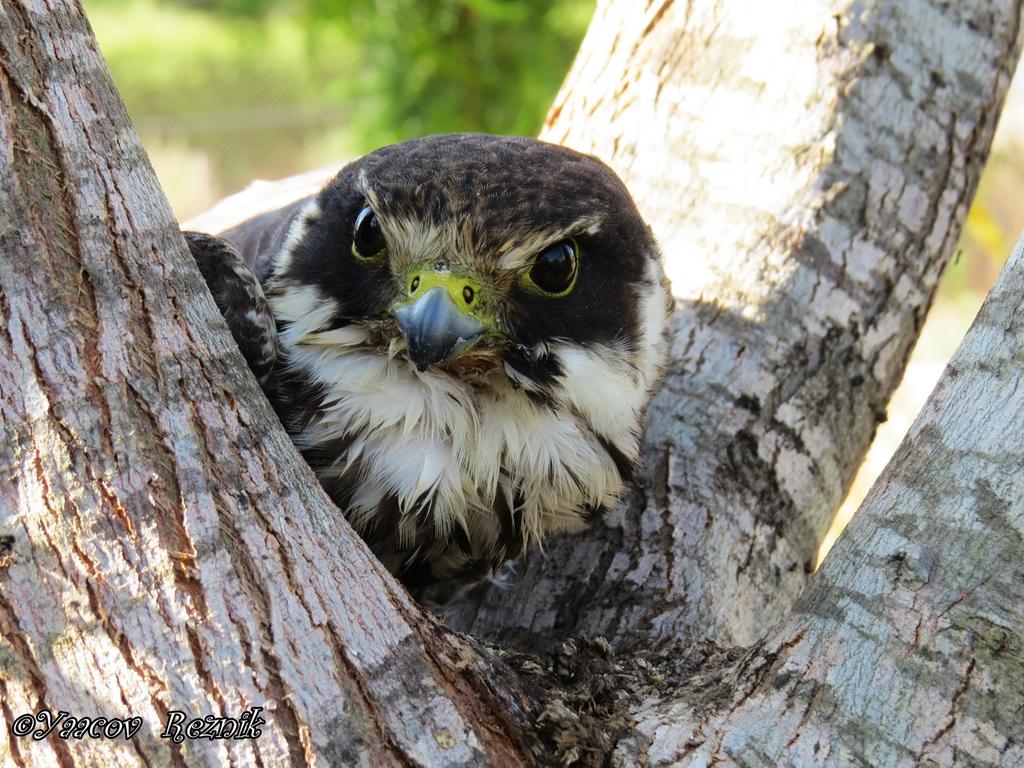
461	334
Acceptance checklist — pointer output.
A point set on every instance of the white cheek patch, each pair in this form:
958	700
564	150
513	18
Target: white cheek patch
655	310
430	435
600	384
304	308
308	216
445	448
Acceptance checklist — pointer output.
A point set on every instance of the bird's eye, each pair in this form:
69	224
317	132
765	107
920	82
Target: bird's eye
368	243
554	270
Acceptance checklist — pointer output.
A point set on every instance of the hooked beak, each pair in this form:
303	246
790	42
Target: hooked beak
436	329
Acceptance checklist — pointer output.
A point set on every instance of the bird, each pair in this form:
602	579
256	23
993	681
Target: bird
461	335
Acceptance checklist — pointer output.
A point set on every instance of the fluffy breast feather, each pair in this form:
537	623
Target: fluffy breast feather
429	437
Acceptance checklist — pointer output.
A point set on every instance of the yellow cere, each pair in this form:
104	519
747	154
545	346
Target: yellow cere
464	292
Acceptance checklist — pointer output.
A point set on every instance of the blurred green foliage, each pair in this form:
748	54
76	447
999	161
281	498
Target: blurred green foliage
264	88
225	91
431	66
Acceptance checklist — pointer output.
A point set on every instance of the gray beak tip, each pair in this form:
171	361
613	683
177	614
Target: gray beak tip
435	330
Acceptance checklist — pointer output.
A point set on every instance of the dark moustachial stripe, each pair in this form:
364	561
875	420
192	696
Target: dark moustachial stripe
542	370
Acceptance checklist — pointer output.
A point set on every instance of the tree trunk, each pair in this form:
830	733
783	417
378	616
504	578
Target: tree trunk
807	173
907	647
164	548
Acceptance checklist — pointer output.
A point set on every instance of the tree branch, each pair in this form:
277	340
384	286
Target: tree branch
807	173
165	548
906	646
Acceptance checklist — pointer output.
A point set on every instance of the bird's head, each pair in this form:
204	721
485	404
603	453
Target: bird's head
477	256
470	329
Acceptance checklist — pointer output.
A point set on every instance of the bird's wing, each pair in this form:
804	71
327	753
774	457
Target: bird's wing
239	298
259	239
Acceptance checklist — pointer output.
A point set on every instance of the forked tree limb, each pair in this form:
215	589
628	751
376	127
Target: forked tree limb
907	647
807	171
165	548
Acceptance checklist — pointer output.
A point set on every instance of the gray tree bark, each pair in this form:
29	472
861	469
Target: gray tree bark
807	173
907	647
164	548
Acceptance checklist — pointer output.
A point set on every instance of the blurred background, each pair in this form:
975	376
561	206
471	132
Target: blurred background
226	91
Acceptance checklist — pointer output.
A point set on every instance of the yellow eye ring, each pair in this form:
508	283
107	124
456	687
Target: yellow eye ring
368	242
554	270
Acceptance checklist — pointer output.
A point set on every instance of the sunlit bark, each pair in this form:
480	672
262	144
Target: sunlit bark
164	548
167	548
807	172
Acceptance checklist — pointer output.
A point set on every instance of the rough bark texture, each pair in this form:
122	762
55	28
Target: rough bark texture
163	549
162	546
906	648
807	173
